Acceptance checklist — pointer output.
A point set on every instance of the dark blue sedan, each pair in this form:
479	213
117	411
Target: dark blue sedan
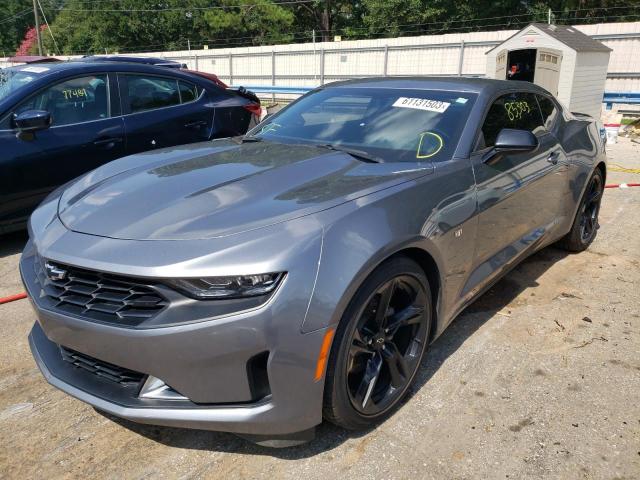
59	120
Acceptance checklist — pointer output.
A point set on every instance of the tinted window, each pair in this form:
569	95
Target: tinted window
549	111
148	93
73	101
188	92
515	110
394	124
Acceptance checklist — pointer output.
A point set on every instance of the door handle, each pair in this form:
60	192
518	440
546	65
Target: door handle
553	158
196	124
107	141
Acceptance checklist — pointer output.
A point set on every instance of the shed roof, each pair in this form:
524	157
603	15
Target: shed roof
570	36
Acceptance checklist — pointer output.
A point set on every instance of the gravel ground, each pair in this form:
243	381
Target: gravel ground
539	378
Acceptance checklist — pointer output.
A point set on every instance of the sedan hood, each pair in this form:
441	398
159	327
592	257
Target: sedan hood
218	188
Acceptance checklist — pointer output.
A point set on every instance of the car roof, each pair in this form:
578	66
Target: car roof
47	72
81	65
162	62
462	84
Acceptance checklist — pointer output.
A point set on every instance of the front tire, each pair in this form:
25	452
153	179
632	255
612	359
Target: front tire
585	225
379	345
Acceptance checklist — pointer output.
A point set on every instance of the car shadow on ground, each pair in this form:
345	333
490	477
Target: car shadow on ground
329	436
12	243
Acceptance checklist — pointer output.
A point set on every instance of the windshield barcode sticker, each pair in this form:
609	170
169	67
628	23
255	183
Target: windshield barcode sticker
422	104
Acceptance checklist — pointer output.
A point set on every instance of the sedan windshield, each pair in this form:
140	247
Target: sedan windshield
394	125
11	79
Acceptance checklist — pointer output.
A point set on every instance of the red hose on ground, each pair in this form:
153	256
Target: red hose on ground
622	185
13	298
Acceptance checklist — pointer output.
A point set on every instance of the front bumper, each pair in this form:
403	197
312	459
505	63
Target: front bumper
204	359
249	419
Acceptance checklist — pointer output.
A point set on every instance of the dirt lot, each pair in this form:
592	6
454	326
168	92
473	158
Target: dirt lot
539	378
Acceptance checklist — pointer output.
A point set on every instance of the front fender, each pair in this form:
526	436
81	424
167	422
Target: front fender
363	233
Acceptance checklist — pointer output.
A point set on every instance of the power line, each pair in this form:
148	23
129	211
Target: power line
159	47
181	9
55	44
448	26
16	16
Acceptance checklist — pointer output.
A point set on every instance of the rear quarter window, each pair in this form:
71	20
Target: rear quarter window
188	91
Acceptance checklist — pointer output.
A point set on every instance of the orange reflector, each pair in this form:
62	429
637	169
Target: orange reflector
324	353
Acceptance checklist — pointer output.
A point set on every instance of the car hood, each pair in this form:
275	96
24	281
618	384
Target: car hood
218	188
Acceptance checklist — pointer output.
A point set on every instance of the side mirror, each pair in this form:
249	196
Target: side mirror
511	141
32	120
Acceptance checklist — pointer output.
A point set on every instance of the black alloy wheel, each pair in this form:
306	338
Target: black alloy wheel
379	345
585	224
386	345
591	208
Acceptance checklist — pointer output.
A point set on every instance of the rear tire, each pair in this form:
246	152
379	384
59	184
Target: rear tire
585	225
378	345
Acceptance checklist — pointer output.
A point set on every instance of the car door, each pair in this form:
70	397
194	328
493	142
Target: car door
560	191
163	111
86	132
517	194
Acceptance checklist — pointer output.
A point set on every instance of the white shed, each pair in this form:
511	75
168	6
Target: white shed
565	61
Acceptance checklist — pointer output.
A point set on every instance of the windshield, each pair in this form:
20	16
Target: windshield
395	125
14	78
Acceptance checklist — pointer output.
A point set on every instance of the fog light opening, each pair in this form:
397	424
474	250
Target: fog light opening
258	376
156	389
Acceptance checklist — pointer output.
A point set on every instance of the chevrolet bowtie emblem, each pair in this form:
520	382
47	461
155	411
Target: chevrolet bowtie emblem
55	273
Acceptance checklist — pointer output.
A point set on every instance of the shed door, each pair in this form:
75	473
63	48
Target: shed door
501	65
547	73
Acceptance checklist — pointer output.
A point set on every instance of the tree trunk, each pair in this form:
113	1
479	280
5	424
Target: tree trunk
325	21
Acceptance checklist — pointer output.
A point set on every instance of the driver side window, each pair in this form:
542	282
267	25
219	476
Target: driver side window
515	110
77	100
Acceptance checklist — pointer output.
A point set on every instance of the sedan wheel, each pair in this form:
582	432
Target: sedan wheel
379	345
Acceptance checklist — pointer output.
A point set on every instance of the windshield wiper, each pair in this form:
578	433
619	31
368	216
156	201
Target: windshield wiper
358	154
246	139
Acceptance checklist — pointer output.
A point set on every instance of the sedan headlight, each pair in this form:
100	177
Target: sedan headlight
229	287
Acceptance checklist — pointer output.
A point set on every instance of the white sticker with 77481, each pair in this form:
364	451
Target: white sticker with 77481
422	104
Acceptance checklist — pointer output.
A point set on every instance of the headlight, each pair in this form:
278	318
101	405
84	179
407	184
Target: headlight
229	287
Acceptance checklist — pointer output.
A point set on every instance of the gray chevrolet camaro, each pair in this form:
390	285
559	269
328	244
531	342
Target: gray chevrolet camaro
259	284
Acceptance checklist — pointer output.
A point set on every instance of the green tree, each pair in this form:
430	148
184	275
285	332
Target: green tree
16	17
127	25
86	26
327	18
250	22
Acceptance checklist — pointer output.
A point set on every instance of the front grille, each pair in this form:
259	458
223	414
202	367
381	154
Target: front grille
101	369
99	296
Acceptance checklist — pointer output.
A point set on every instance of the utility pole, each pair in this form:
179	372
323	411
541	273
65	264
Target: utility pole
313	33
549	17
35	14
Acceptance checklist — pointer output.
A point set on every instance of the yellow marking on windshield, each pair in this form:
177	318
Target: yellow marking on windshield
270	127
439	147
515	110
